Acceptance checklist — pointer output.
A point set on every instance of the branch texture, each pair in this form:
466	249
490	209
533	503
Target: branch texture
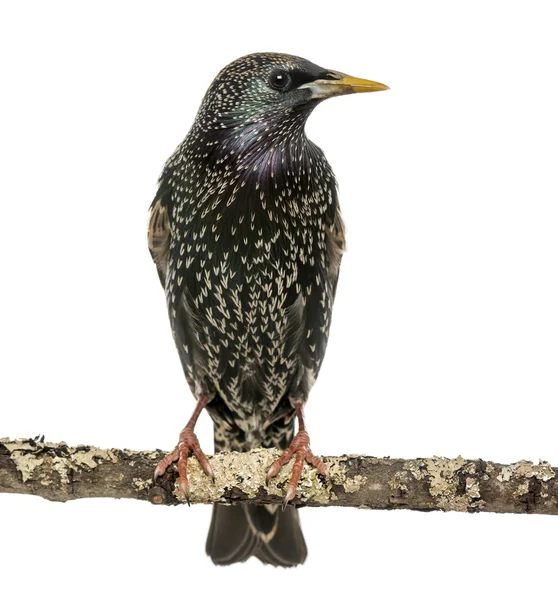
59	472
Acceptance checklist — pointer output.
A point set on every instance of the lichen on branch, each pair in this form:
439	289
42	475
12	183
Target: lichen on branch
59	472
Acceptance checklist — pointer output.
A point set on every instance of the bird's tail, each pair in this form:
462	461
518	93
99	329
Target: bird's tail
266	532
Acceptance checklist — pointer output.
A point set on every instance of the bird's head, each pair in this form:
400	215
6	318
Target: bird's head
273	90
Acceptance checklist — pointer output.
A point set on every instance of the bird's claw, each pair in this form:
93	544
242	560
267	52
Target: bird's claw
300	448
187	444
289	495
185	489
163	464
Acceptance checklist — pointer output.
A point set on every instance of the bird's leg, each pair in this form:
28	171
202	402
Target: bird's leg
187	443
300	448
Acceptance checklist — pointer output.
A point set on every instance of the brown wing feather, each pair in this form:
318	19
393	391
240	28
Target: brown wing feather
336	246
159	238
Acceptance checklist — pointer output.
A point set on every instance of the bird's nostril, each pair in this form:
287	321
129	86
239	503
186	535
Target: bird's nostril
333	76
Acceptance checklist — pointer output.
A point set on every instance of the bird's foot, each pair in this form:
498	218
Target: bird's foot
300	448
187	443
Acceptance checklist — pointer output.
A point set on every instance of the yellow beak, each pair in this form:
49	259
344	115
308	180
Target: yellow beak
339	84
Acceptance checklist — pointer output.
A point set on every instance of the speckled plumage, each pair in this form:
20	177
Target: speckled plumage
255	243
247	236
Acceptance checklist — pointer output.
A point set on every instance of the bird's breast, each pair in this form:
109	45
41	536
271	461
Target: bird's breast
248	248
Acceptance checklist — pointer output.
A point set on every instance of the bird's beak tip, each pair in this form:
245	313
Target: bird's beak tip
357	85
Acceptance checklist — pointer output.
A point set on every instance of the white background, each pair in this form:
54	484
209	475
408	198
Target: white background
445	332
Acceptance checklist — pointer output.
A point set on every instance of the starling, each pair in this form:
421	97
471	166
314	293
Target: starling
247	236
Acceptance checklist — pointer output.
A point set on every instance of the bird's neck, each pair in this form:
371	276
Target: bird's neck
250	136
254	150
263	167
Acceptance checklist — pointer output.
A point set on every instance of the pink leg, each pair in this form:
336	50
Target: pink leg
187	443
300	447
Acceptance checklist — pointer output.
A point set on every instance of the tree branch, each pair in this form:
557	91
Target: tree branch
60	473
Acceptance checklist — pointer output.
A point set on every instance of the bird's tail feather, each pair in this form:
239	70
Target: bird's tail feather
267	532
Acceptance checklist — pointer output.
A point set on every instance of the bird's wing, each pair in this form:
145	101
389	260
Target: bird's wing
336	246
159	237
159	241
314	317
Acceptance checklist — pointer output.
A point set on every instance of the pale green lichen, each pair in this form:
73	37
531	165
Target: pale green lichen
525	470
60	465
142	484
19	452
89	459
26	463
522	488
247	471
353	485
77	459
505	474
472	487
442	475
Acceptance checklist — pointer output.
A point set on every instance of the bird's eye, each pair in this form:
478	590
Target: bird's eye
279	80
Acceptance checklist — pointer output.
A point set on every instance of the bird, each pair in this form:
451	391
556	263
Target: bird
247	237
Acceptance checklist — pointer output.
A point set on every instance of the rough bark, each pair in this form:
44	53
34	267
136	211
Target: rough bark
60	473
